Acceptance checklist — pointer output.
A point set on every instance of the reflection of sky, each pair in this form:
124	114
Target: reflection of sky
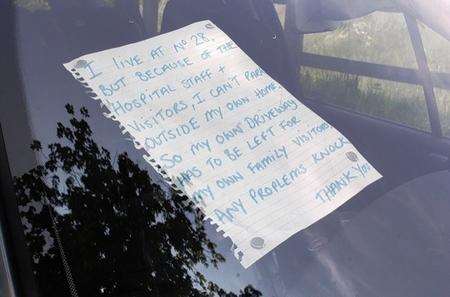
48	87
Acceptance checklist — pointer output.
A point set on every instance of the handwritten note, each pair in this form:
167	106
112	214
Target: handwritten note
259	164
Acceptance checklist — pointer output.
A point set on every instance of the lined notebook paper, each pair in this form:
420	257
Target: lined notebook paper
256	161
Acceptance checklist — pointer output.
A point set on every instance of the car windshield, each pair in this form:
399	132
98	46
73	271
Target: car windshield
97	219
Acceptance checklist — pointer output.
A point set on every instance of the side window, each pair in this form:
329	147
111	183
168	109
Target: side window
437	49
380	38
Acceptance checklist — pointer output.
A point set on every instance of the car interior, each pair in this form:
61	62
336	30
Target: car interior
391	239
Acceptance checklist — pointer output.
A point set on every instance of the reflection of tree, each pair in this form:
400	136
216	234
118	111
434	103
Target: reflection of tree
123	235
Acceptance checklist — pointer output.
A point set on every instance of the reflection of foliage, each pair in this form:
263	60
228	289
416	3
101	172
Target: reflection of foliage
36	5
33	5
378	38
123	235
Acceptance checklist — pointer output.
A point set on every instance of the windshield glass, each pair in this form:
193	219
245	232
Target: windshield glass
99	220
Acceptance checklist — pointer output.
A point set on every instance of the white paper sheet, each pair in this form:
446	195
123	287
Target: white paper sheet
258	163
